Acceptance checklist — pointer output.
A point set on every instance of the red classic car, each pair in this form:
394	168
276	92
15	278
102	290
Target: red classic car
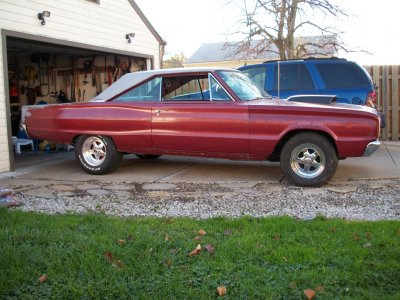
207	113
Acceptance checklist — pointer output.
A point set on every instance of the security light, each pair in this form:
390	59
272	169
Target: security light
129	37
43	15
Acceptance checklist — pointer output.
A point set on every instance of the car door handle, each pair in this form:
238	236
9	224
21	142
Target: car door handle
159	111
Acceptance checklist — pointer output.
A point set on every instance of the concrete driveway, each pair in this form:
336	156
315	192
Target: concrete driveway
53	183
385	163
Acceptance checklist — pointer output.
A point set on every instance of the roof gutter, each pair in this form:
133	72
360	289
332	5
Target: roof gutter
147	22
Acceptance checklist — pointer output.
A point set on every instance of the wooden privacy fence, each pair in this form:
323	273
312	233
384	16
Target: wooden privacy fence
387	79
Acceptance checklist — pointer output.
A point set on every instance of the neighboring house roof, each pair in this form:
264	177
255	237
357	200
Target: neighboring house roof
227	51
147	22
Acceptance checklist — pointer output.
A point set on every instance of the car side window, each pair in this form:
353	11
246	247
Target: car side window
342	75
148	91
188	87
257	74
293	77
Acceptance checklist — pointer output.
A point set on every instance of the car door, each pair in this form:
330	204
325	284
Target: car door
128	117
199	118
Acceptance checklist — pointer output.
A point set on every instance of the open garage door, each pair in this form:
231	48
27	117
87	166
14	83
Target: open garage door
45	73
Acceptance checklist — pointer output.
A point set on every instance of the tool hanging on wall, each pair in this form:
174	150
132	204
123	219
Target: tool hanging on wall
129	66
87	65
109	75
115	68
64	86
54	81
99	87
67	80
43	73
30	75
93	71
75	83
105	70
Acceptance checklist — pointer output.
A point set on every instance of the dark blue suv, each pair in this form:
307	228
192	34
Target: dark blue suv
348	81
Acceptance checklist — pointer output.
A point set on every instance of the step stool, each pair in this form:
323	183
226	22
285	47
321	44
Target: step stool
21	142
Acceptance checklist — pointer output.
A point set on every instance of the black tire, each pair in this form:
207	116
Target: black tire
148	156
308	159
97	154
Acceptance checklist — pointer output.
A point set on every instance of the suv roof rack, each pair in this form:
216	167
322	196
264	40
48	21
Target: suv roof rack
307	58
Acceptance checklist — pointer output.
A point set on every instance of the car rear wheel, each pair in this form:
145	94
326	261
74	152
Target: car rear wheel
97	154
308	159
147	156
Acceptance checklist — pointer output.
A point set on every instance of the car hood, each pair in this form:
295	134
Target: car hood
314	106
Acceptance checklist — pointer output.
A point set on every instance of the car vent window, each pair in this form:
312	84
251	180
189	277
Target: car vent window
293	77
218	93
148	91
336	76
257	75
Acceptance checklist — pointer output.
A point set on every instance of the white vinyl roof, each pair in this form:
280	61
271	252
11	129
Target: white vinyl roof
132	79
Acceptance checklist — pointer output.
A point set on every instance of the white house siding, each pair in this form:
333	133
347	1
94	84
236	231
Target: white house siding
74	21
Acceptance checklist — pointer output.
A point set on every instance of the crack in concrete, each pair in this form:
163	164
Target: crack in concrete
175	172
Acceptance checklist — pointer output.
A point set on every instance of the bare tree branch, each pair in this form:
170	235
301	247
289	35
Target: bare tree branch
277	22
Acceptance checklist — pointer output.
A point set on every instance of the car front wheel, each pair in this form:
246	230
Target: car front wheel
97	154
308	159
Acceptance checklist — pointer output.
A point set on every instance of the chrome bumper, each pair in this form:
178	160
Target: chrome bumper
371	148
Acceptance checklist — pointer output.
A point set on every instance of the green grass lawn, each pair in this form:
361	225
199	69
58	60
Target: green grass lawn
96	256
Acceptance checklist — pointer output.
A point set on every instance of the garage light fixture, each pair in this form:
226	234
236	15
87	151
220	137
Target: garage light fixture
129	37
41	16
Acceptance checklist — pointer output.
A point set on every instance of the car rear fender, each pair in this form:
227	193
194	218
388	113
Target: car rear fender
292	132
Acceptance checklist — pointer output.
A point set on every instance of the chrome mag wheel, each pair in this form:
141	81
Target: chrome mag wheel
94	151
307	161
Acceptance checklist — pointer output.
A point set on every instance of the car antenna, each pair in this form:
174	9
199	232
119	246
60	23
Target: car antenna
279	79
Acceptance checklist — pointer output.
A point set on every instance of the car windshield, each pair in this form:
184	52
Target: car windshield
243	87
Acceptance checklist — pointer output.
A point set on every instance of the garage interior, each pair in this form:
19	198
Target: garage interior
45	73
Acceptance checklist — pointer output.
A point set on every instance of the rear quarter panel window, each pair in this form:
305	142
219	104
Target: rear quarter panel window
148	91
346	75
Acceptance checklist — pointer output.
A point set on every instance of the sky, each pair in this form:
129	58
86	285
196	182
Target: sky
186	24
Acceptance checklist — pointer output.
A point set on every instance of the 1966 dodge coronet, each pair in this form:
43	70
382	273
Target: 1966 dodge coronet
208	113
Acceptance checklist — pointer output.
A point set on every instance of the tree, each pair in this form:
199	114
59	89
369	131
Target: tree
175	61
273	26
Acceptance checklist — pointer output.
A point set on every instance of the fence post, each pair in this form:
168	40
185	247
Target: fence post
395	103
385	99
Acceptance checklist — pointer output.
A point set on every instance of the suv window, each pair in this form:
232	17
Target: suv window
342	76
293	77
257	75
